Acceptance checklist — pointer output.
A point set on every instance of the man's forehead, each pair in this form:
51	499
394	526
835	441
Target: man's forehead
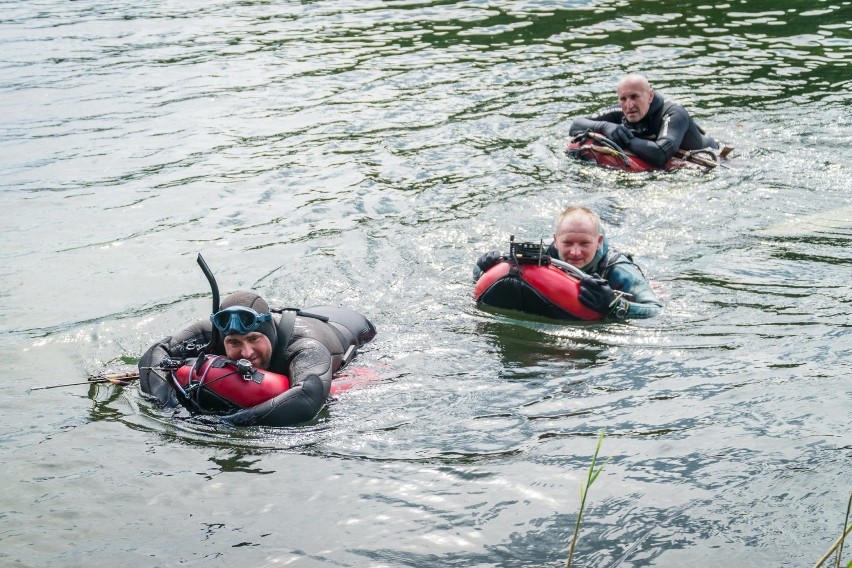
240	337
631	89
634	85
577	218
577	230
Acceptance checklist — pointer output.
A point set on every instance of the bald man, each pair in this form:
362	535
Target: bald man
645	124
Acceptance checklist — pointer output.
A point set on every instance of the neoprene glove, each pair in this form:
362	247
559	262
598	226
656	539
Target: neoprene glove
596	294
488	260
618	133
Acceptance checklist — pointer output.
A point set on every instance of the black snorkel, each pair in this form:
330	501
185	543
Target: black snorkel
213	286
214	336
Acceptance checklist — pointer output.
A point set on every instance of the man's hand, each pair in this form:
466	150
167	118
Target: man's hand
488	260
596	294
618	133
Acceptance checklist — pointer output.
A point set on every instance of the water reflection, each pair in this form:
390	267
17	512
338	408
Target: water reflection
238	461
524	343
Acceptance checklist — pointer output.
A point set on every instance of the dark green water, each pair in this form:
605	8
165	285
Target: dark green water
364	154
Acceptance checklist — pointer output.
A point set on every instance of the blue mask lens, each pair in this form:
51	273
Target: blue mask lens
238	320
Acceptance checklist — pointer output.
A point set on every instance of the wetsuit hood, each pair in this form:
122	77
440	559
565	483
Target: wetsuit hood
258	304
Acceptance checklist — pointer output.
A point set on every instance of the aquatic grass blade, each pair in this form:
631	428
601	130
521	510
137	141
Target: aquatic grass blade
584	487
837	546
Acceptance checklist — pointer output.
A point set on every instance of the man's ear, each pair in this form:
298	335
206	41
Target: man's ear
600	240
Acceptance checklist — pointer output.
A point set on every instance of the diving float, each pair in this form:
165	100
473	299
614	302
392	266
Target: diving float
528	280
593	147
214	384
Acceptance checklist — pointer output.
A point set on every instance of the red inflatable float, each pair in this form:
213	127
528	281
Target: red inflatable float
220	385
529	281
594	147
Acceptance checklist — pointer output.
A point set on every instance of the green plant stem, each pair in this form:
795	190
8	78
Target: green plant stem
584	490
848	526
834	546
838	544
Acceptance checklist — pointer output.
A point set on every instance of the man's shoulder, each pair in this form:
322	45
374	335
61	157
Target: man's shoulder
617	261
672	108
199	329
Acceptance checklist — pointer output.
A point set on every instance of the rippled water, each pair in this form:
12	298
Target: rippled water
364	153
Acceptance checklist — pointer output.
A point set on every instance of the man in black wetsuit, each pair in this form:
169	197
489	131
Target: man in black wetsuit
307	346
645	124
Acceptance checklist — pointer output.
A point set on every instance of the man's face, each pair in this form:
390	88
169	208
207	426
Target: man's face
635	100
253	346
577	239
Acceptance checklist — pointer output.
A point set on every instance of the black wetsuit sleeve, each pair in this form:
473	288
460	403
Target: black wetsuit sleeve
153	382
310	374
675	123
294	406
477	273
596	122
309	356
